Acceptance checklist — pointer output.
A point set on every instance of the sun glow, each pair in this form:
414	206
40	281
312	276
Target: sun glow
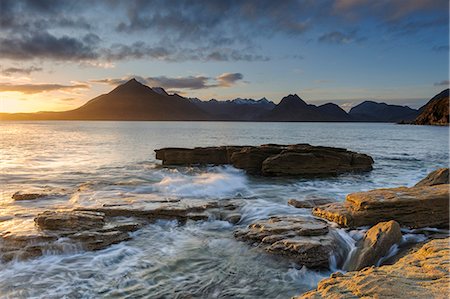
14	102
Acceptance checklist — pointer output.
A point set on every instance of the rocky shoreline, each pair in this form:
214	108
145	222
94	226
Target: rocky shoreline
312	240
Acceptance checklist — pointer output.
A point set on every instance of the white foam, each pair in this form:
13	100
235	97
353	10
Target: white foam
218	182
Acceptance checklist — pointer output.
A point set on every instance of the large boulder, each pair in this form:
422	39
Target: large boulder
412	207
437	177
421	274
271	159
305	240
376	244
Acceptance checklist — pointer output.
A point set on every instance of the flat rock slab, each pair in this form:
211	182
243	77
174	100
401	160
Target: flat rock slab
271	159
309	203
180	210
421	274
412	207
306	240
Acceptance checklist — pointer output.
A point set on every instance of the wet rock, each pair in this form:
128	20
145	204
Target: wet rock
309	203
70	220
271	159
27	196
96	240
95	228
305	240
314	163
45	193
376	244
437	177
421	274
412	207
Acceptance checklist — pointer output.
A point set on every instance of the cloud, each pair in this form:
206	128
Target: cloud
337	37
229	79
188	82
43	45
22	71
38	88
442	83
173	53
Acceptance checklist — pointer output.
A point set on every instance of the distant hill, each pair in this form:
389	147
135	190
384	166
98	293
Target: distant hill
370	111
435	112
237	109
293	108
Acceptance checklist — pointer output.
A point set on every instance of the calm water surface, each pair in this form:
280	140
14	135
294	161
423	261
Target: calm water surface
113	160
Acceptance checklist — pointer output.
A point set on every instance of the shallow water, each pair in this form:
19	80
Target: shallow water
101	162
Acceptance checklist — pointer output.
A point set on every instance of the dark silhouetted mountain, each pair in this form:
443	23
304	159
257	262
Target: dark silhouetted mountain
293	108
160	90
129	101
370	111
436	111
237	109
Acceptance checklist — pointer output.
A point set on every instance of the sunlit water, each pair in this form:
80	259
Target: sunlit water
97	162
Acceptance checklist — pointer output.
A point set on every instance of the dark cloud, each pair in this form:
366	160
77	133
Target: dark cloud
388	11
140	50
337	37
21	71
443	48
189	82
194	30
43	45
38	88
442	83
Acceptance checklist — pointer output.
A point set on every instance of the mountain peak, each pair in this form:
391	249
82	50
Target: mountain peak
131	86
292	99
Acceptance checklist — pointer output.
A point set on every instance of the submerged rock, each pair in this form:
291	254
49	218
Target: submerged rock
412	207
376	244
309	203
306	240
421	274
437	177
271	159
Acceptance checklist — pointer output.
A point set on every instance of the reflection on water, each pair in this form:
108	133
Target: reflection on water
90	163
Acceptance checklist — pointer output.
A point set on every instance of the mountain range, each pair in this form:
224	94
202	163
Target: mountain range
135	101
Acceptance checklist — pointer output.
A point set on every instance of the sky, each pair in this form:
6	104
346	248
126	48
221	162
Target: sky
56	55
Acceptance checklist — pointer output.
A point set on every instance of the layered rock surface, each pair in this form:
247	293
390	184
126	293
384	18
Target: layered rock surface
437	177
422	274
306	240
271	159
412	207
